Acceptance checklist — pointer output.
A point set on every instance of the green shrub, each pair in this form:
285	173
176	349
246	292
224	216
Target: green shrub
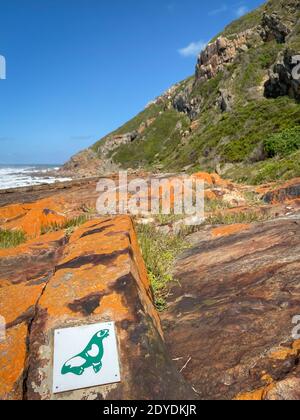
284	143
237	150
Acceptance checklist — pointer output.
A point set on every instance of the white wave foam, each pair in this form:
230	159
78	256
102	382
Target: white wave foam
24	176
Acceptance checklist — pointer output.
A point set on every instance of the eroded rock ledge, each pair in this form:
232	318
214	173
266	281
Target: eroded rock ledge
231	312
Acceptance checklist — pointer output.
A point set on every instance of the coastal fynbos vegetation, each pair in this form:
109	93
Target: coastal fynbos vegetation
284	143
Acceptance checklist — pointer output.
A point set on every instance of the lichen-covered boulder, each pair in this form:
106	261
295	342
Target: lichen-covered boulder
100	277
32	218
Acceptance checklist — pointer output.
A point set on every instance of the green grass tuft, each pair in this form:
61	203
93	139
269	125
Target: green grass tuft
69	225
159	251
11	238
236	218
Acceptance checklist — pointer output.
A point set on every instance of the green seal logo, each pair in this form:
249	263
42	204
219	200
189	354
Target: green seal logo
91	356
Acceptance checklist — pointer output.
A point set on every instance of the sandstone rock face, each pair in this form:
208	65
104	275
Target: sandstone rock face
219	53
83	164
230	313
99	276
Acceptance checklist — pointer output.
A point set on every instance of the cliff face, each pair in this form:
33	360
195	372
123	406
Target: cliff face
243	91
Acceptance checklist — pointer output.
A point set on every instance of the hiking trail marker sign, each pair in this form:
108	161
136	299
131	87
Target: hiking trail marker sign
85	357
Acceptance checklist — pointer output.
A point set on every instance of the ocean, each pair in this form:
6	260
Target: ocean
13	176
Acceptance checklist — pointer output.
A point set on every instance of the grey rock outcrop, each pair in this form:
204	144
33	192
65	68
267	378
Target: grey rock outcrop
224	101
184	103
283	78
274	28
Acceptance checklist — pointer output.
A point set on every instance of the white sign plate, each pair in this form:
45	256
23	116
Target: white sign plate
84	357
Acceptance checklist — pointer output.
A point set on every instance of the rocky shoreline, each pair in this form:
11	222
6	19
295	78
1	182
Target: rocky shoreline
226	330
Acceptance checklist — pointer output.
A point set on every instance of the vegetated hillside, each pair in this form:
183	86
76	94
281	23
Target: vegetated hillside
238	115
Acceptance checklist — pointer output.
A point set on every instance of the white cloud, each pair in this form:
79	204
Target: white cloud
241	11
193	49
221	9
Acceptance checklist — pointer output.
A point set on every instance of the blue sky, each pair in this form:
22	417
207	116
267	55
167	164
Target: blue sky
79	69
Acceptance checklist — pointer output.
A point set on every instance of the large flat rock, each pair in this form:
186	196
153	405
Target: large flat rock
230	313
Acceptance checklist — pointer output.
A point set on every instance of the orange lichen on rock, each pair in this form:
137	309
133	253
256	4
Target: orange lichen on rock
218	181
31	262
267	379
257	395
102	277
229	230
284	353
32	217
98	276
97	255
36	219
17	302
14	211
210	195
27	265
211	179
12	362
40	242
204	176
